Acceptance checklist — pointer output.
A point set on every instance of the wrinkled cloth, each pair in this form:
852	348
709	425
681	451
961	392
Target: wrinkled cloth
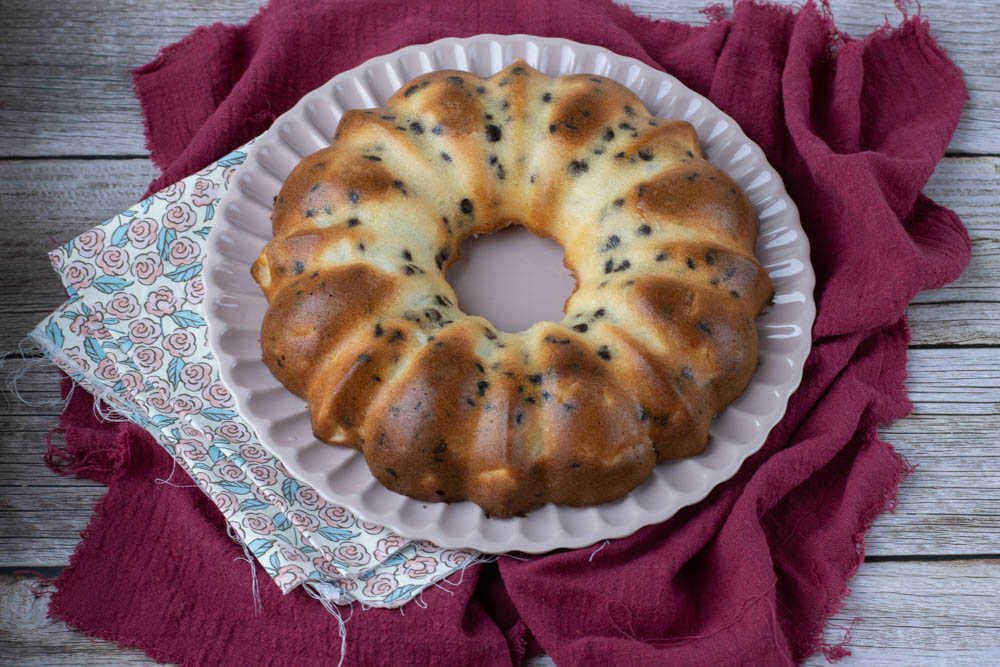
748	576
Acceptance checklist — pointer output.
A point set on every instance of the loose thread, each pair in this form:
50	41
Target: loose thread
332	608
604	544
258	607
167	481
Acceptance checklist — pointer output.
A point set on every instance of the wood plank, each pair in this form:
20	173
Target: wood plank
33	196
935	613
74	97
948	506
46	203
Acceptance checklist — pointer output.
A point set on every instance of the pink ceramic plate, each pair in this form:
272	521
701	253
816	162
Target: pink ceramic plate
235	305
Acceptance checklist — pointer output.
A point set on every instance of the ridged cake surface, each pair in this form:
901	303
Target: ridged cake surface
658	337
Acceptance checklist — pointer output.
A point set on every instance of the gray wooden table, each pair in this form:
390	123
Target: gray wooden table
72	154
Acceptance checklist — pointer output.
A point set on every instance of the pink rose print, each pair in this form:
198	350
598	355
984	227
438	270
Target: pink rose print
92	324
266	494
172	192
204	192
192	450
180	343
89	243
106	369
226	501
80	275
380	585
303	520
57	257
288	552
336	516
282	469
196	376
351	554
308	498
263	474
183	251
113	261
347	585
227	175
228	471
161	302
147	267
259	523
148	359
252	453
453	558
234	432
186	404
370	528
179	217
142	233
289	576
124	306
133	382
325	566
217	395
144	331
159	393
388	545
194	291
420	567
201	479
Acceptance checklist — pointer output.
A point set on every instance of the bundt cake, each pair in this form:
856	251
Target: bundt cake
658	337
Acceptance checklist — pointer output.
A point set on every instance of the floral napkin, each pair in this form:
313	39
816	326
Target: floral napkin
133	334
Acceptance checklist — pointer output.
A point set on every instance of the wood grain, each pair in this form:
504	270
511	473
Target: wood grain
36	218
76	92
46	203
898	607
947	506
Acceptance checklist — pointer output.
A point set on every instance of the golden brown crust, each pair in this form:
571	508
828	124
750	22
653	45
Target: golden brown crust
658	336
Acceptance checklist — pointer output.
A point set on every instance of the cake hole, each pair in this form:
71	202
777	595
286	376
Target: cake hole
512	278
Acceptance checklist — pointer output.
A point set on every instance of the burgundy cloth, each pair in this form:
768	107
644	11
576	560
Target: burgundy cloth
748	576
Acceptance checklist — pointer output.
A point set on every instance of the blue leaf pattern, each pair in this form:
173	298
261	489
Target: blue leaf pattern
195	423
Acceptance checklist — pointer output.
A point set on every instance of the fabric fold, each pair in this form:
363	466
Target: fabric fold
750	575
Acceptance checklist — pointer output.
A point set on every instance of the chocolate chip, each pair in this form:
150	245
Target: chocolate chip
604	353
457	80
629	111
353	196
466	206
535	378
612	242
442	257
298	267
577	167
445	157
353	222
432	315
687	374
517	70
690	154
440	447
438	130
399	185
661	256
493	133
547	97
626	126
693	177
644	230
552	128
312	189
480	89
490	334
619	202
620	155
582	328
407	256
624	266
599	313
417	127
609	266
690	263
410	91
372	158
609	134
734	292
379	330
482	386
518	417
703	325
310	212
439	492
645	154
390	470
470	402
